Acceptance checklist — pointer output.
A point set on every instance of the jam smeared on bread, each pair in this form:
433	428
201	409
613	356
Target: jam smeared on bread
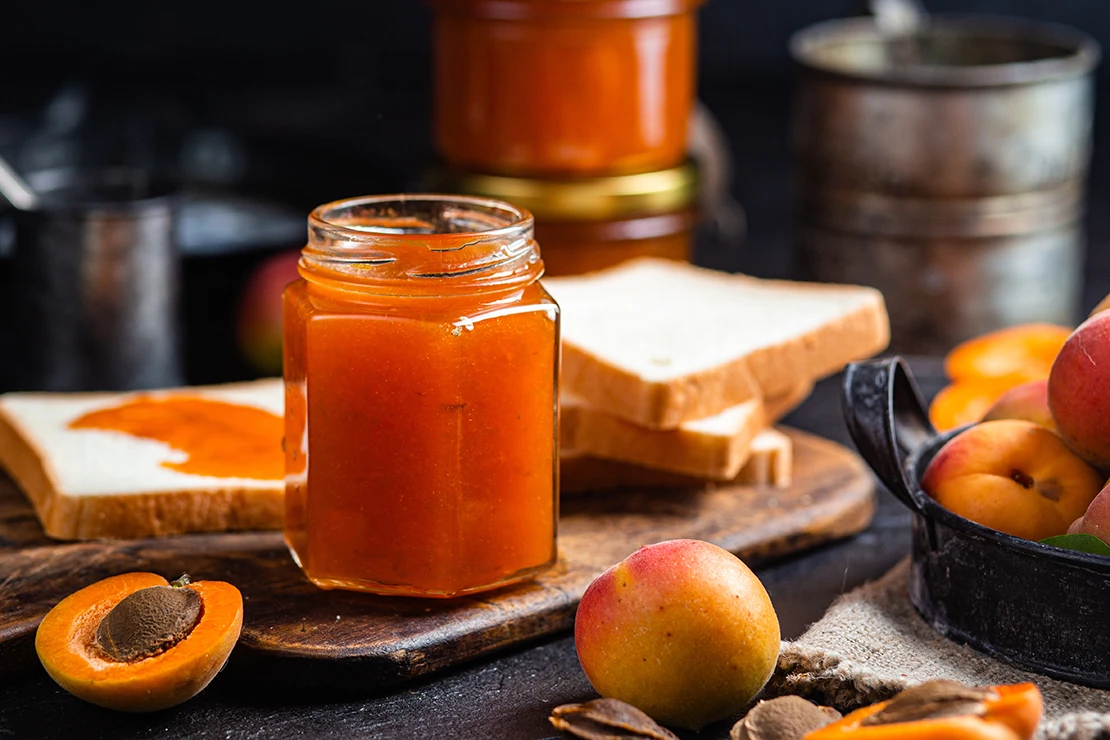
221	439
151	463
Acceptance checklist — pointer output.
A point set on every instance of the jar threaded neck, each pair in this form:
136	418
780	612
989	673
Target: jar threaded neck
388	242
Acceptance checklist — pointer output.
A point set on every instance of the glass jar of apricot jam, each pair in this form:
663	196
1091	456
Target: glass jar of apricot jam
588	224
421	375
563	87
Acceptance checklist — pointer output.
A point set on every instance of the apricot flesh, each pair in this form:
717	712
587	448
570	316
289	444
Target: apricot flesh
1079	390
682	630
1022	352
1013	476
66	646
964	402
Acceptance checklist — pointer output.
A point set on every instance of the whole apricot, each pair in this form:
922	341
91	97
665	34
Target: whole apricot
1028	401
136	643
1096	520
1013	476
258	323
682	630
1101	306
1079	390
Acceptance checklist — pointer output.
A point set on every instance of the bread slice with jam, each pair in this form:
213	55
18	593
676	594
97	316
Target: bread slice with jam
147	464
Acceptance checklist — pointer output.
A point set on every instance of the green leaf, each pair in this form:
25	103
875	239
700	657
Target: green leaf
1080	542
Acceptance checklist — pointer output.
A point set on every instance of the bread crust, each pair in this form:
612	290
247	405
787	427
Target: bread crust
713	454
657	404
771	463
213	508
776	407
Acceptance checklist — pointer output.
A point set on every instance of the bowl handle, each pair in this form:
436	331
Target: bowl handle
886	418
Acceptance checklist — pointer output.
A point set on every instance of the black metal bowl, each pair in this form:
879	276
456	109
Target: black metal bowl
1042	608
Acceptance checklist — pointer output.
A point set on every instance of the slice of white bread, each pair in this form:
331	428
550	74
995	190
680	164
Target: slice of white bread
776	407
92	483
658	342
771	463
715	448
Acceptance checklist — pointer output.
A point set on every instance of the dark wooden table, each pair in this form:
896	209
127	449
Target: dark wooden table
507	697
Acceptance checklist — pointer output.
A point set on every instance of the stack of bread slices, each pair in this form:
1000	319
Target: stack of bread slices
674	375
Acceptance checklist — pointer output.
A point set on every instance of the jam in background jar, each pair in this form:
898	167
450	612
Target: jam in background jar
563	87
421	374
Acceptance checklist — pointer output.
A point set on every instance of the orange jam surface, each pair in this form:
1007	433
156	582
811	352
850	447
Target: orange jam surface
420	435
563	88
222	440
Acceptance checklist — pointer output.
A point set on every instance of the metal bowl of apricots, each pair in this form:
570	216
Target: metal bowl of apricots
1035	605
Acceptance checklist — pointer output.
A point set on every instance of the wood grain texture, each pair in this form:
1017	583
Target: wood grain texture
299	636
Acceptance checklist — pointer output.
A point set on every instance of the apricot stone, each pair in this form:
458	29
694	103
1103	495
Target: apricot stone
1079	390
1013	476
682	630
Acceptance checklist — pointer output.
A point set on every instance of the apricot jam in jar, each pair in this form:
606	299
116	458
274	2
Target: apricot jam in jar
421	378
563	87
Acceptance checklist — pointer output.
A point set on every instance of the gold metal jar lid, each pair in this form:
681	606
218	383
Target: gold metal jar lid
593	199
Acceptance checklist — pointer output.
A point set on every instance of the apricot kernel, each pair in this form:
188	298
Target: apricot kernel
149	622
784	718
603	719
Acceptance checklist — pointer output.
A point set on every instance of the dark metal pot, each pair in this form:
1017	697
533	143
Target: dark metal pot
947	169
95	274
1038	607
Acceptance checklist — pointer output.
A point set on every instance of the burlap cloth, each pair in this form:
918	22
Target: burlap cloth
872	643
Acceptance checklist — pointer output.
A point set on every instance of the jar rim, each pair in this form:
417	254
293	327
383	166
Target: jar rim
386	242
518	219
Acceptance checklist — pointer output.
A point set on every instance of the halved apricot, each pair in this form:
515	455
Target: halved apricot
158	650
1025	351
966	401
945	709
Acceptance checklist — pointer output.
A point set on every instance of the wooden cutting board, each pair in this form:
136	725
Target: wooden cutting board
297	636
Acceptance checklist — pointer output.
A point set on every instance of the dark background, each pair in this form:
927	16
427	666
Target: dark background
264	110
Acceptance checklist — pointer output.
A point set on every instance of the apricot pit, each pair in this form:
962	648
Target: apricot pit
149	621
136	643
